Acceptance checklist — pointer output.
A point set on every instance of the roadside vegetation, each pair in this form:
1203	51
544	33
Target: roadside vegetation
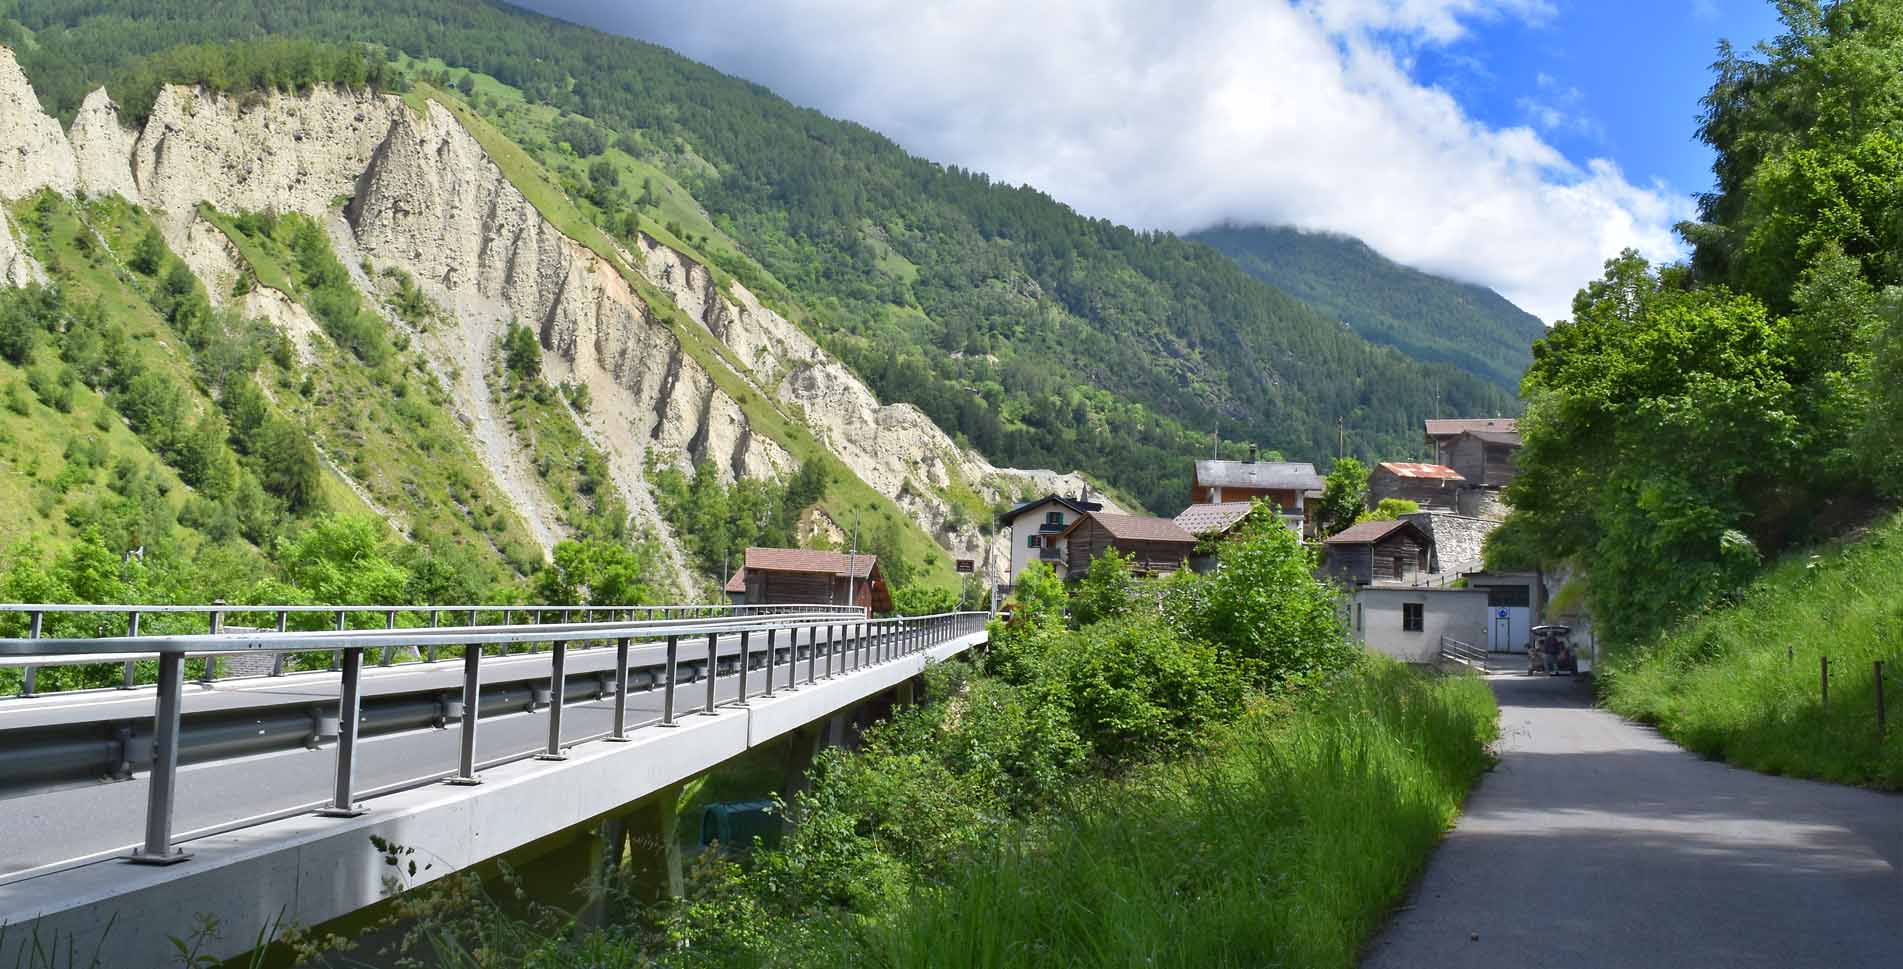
1201	771
1743	683
1695	425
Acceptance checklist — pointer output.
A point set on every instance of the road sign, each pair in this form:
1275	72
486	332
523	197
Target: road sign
967	565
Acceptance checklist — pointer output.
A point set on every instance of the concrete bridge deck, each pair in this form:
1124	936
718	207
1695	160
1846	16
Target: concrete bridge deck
63	844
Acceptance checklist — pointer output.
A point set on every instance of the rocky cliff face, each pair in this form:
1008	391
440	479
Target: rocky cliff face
420	194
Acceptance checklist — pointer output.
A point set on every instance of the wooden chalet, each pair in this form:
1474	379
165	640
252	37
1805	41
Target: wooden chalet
1435	487
1376	552
1479	450
799	576
1157	545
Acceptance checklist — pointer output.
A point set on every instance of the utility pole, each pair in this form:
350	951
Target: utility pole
852	560
1341	435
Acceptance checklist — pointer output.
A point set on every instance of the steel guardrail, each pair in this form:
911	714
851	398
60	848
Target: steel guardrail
216	615
852	641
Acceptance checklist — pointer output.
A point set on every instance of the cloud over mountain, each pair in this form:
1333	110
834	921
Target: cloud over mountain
1180	115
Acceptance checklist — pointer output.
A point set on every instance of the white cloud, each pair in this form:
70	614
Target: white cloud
1179	115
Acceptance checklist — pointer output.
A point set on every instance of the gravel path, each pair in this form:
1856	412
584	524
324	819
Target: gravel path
1598	843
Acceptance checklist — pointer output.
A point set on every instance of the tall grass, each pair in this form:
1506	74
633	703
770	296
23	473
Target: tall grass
1284	845
1742	682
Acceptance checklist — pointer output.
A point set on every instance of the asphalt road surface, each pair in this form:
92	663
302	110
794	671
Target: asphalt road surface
73	821
1598	843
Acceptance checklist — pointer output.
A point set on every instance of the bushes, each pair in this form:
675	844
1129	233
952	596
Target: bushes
1137	687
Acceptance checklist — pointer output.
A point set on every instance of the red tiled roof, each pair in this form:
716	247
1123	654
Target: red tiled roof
810	560
1137	528
1206	518
737	582
1409	469
1366	532
1451	427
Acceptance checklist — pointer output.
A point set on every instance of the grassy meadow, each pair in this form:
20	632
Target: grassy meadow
1743	682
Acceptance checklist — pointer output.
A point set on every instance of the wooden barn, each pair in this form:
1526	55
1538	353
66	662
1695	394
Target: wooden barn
799	576
1435	487
1372	552
1158	545
1481	450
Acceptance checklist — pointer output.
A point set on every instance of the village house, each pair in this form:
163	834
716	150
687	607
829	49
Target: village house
1157	545
1479	450
799	576
1035	526
1377	552
1434	487
1286	484
1408	623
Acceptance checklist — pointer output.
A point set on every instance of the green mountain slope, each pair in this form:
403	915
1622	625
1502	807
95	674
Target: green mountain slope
1427	317
1042	338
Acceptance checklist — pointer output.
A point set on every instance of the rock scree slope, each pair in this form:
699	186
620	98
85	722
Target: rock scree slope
416	191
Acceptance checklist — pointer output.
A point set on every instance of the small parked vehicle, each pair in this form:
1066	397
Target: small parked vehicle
1552	651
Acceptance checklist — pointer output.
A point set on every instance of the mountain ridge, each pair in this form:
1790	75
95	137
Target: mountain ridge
1426	316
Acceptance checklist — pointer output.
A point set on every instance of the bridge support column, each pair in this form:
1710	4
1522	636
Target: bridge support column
652	830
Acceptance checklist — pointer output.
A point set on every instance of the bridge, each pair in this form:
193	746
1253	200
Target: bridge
254	793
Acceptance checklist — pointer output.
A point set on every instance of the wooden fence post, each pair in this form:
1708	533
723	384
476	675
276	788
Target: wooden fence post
1823	677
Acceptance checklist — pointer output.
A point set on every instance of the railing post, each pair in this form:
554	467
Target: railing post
667	696
812	652
1823	678
472	713
557	690
713	673
337	656
746	658
162	786
277	658
217	626
832	646
389	652
435	622
349	712
131	671
620	732
771	635
792	657
30	676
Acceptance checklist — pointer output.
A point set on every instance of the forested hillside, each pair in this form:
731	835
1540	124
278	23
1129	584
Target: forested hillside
1425	316
1043	338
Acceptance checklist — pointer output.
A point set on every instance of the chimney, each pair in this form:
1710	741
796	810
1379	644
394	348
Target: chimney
1253	451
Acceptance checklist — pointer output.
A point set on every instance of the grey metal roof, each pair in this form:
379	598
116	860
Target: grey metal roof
1271	475
1206	518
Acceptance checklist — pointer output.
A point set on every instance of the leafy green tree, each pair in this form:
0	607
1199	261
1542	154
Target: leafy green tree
1265	609
919	599
1106	591
343	560
1390	509
1344	495
287	465
593	572
522	353
149	255
1038	596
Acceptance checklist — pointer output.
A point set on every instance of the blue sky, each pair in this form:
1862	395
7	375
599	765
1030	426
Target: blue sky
1514	143
1622	77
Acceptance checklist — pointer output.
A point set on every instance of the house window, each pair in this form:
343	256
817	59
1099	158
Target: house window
1413	618
1053	518
1030	541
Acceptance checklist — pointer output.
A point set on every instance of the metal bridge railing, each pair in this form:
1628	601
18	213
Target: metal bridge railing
851	641
218	615
1454	651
